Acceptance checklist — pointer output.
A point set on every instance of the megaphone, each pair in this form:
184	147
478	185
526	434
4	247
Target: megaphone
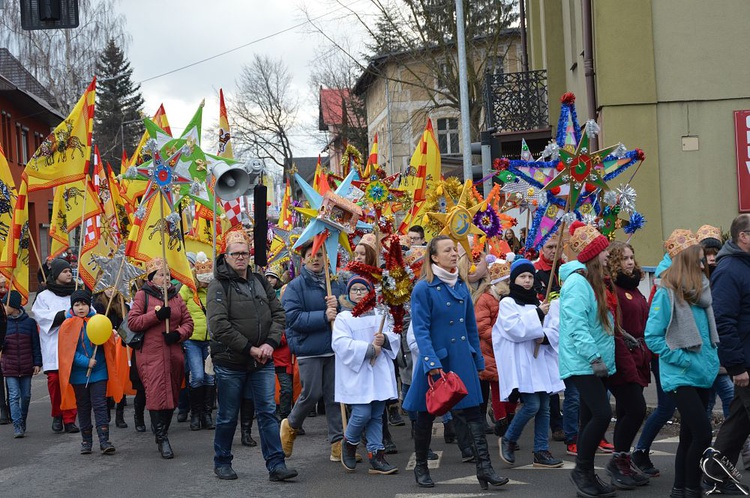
231	181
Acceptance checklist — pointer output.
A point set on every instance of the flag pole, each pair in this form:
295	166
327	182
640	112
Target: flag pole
117	279
83	227
165	285
38	258
213	236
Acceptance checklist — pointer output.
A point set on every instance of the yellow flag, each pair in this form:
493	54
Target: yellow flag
131	190
63	157
7	199
14	261
425	169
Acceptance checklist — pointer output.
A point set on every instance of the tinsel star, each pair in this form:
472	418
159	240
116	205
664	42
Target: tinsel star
116	272
379	191
458	220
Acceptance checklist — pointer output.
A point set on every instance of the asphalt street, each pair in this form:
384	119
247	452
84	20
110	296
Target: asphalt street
44	464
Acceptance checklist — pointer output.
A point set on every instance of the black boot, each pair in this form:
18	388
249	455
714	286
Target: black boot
585	482
422	436
390	446
105	446
139	407
485	472
183	405
86	442
196	407
120	415
246	422
464	440
161	420
208	405
449	433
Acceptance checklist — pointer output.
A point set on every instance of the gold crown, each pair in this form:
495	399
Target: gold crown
680	240
203	264
499	270
155	264
236	237
708	232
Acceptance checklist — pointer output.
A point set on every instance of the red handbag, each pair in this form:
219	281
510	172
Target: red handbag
444	393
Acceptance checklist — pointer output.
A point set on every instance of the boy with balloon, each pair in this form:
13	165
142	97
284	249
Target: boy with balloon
87	371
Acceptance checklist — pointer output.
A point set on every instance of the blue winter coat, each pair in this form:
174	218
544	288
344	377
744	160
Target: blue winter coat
445	329
731	303
680	367
583	339
307	330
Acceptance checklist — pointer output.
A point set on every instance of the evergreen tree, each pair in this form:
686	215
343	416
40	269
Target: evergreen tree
118	122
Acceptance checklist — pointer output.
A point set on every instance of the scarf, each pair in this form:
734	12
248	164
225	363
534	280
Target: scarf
628	282
61	290
543	264
444	275
317	278
682	332
522	296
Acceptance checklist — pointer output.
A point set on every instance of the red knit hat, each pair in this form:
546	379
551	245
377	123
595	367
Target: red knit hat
586	241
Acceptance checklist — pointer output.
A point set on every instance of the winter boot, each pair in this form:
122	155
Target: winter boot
449	433
4	413
348	455
390	446
585	482
463	438
86	442
422	436
120	415
378	465
246	422
139	407
161	420
196	407
183	405
485	472
105	446
622	476
208	405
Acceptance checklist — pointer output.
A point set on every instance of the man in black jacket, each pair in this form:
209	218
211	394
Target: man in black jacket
731	304
245	321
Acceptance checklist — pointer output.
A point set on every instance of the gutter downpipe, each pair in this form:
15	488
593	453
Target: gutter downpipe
588	67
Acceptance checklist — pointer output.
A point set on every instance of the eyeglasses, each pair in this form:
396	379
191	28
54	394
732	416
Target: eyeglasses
238	255
359	290
415	239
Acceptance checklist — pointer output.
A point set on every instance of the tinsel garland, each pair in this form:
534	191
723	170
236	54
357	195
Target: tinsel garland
365	304
488	221
636	223
350	153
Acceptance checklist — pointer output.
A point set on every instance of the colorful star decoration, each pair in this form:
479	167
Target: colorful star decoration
332	218
379	192
458	220
162	176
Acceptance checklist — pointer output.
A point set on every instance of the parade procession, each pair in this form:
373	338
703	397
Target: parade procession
468	283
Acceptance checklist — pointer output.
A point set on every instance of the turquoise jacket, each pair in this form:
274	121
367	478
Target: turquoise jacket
583	339
680	367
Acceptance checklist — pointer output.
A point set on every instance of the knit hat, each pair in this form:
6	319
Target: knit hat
203	264
13	299
153	266
368	239
519	266
57	266
680	240
499	270
80	295
356	279
709	236
274	271
191	256
586	241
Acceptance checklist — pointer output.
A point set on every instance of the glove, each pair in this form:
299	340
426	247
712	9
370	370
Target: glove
599	368
59	318
163	313
172	337
630	341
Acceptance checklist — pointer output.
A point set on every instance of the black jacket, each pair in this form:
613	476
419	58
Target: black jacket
730	290
241	314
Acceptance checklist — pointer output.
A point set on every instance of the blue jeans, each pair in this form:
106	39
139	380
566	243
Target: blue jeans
536	406
196	353
571	407
367	418
19	397
659	417
233	386
725	389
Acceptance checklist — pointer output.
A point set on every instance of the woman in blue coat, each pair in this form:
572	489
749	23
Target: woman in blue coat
681	329
445	329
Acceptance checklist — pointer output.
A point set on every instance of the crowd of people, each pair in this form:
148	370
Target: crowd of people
518	333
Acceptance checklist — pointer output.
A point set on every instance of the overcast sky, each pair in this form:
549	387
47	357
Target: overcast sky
170	34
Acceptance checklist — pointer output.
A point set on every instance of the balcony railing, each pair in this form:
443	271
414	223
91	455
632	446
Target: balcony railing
517	101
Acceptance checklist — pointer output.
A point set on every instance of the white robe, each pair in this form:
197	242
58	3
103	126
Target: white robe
514	340
46	305
357	381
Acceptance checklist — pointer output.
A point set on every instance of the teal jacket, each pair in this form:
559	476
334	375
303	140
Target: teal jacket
680	367
583	339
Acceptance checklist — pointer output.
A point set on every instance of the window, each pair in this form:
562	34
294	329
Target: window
448	135
18	143
443	75
24	145
495	64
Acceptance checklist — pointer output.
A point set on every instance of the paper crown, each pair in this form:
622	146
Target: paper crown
275	271
203	264
708	232
155	264
499	271
236	237
680	240
586	241
368	239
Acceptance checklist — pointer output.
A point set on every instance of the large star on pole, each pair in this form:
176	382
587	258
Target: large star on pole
379	191
458	220
162	175
580	167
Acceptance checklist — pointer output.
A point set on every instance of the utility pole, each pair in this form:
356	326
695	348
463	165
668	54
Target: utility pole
463	90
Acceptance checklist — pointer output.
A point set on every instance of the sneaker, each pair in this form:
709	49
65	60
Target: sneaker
348	455
72	428
572	449
605	446
336	451
642	461
378	465
604	489
558	435
57	425
86	447
507	451
18	433
728	487
620	473
640	478
545	459
394	417
287	435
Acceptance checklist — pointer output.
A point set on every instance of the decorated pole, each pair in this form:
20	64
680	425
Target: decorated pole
165	286
117	279
38	258
82	229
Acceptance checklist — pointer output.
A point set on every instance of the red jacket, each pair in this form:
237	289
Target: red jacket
632	365
282	357
486	311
